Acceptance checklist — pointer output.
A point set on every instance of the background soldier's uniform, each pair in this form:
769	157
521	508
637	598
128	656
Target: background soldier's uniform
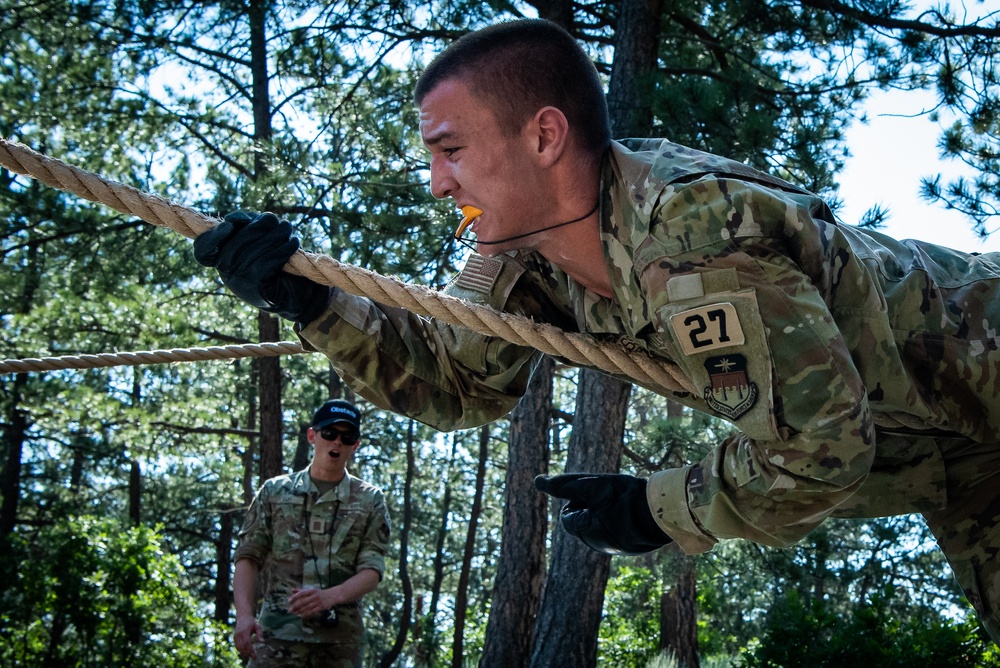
862	372
313	541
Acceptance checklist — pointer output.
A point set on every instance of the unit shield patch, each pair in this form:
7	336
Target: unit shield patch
731	392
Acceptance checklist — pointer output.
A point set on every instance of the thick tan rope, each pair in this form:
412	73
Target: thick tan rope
150	357
579	349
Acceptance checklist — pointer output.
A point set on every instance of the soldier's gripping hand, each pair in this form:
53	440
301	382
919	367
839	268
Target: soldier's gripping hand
249	251
607	511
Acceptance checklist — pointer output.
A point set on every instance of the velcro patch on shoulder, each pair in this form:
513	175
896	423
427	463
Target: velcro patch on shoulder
479	273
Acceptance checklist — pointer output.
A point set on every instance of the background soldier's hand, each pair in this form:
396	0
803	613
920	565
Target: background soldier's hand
249	251
607	511
246	628
309	601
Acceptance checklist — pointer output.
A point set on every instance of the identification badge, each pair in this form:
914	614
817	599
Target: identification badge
707	328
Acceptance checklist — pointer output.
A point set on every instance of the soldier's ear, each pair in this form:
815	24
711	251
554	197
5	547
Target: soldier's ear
549	131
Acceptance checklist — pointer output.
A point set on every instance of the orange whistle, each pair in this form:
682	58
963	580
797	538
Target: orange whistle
470	213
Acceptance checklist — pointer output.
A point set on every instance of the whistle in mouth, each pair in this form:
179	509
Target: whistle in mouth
470	213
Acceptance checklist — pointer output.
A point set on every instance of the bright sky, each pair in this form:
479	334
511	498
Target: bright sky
890	154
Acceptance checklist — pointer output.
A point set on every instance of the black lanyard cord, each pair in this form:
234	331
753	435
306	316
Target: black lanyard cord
468	242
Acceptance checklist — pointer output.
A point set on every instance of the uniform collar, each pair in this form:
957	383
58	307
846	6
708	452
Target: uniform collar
342	492
624	227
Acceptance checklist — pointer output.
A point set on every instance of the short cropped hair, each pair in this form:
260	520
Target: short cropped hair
518	67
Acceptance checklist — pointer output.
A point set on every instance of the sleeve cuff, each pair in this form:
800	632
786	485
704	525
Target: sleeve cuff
666	493
246	552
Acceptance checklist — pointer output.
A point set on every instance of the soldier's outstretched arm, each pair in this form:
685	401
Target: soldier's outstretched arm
442	375
445	376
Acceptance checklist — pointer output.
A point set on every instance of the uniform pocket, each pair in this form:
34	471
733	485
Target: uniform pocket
719	340
288	528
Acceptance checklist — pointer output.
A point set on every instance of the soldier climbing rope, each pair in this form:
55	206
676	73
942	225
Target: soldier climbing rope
579	349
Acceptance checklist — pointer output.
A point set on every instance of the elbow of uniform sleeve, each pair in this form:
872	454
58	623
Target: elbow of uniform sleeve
772	493
447	377
836	455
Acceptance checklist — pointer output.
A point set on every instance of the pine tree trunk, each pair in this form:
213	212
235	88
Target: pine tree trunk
636	41
429	645
14	435
521	565
570	613
223	567
462	594
268	326
679	612
390	657
679	619
269	380
303	449
135	494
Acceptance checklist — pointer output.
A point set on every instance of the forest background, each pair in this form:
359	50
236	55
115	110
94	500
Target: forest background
122	489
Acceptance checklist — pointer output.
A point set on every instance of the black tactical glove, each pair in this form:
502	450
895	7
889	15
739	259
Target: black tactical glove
249	251
607	511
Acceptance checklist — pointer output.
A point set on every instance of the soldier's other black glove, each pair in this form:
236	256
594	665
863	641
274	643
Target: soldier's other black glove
249	250
607	511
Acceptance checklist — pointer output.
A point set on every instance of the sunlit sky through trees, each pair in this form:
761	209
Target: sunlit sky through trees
890	154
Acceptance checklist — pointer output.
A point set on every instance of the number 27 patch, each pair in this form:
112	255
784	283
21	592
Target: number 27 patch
707	328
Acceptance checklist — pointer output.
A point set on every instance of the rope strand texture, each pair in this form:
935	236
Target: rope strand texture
151	357
579	349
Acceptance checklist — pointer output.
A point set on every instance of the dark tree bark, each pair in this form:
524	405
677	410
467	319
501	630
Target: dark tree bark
303	449
267	325
679	612
679	605
17	426
251	448
223	567
16	417
390	657
269	380
135	494
521	565
570	613
76	469
260	81
636	40
428	622
462	594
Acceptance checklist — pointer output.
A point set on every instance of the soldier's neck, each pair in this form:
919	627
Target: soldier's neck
327	473
580	254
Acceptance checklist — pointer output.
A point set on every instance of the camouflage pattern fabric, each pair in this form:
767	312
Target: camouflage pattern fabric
313	540
273	653
843	357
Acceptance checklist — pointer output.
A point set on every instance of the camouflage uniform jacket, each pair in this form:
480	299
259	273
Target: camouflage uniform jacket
802	332
308	540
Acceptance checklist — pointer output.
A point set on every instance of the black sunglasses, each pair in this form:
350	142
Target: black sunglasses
346	437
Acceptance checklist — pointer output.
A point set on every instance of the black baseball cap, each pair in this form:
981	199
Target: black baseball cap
337	410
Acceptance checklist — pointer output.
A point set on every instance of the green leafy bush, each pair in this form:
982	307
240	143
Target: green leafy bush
800	634
84	592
